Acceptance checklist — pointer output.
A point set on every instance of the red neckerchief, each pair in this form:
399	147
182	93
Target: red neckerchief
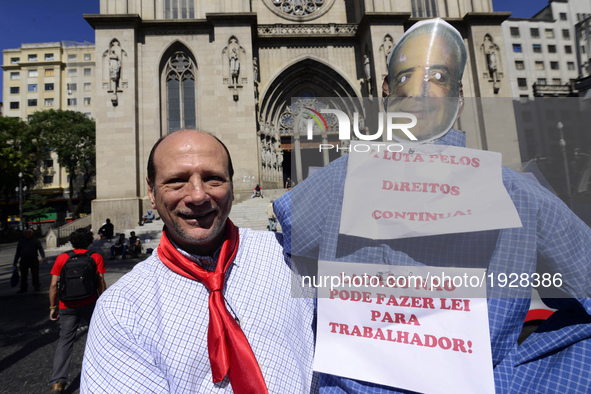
229	350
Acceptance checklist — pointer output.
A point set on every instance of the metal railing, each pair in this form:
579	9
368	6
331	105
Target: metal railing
64	232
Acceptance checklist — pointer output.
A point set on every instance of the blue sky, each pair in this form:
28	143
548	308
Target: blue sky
29	21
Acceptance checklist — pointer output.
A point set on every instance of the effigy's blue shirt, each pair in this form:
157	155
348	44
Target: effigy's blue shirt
556	358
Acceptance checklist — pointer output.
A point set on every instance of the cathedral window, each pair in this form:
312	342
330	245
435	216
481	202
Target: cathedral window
424	8
179	9
180	91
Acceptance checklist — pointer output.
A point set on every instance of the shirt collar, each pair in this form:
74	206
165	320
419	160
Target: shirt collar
208	263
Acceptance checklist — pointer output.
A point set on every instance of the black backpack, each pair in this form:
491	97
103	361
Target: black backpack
78	278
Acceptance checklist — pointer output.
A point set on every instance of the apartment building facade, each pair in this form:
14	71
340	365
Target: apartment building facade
52	75
542	51
547	57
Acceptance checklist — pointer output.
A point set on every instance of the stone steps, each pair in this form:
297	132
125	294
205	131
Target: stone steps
249	213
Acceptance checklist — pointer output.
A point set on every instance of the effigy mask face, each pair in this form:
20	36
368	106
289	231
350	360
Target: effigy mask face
425	71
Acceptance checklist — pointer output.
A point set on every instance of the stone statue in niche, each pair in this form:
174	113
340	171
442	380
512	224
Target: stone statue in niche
114	63
112	70
491	56
268	154
233	56
263	153
234	66
255	69
387	46
367	72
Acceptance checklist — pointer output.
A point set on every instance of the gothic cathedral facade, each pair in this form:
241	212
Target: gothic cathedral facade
232	67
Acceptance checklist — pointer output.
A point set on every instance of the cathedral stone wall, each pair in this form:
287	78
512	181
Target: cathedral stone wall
336	47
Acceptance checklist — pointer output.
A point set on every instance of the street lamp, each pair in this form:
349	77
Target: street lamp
562	144
20	189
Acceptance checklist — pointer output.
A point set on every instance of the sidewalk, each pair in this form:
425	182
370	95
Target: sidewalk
28	338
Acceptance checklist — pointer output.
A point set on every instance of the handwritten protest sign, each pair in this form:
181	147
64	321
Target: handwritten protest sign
424	190
381	325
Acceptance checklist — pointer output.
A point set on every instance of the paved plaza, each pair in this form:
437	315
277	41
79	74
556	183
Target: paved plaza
28	338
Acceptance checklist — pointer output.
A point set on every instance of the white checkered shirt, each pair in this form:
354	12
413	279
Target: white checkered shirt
149	330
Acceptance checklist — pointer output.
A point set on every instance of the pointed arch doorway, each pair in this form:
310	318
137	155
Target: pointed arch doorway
302	85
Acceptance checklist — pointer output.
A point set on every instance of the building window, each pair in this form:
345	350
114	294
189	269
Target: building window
15	75
48	163
14	105
32	102
87	71
72	72
539	65
72	57
535	32
15	90
48	179
515	32
516	47
537	48
549	33
552	48
541	81
87	56
48	86
49	56
72	87
554	65
566	34
568	49
522	83
72	102
519	65
570	65
49	72
556	81
33	73
15	60
48	102
179	9
420	8
179	77
86	100
32	58
32	87
87	86
562	16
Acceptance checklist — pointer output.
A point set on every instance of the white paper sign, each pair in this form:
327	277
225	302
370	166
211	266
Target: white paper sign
436	189
429	339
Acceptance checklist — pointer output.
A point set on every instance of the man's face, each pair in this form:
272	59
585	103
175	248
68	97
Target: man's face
424	81
192	190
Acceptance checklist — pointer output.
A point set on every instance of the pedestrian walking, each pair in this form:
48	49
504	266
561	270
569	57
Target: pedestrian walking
27	252
77	297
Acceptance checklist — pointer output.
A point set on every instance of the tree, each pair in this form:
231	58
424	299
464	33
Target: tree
34	208
17	155
71	135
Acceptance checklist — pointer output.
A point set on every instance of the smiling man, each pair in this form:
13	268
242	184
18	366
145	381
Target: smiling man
211	309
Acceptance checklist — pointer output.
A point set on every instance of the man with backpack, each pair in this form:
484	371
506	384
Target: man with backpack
77	280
